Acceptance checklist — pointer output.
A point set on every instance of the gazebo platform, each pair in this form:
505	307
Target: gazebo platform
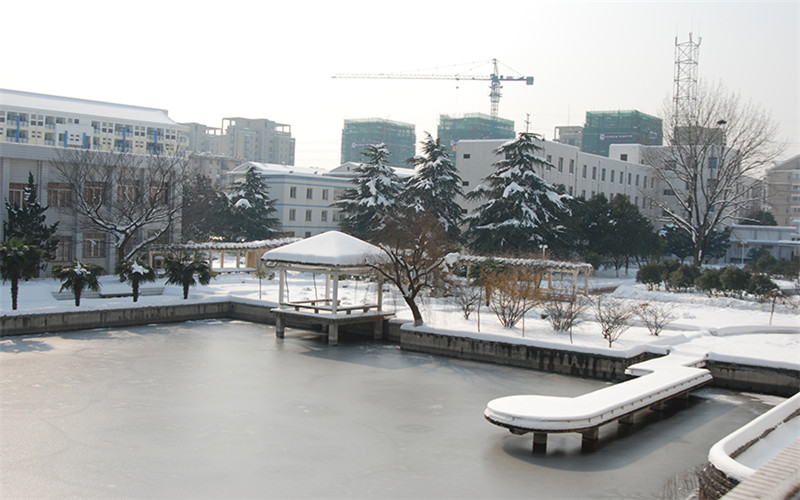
315	314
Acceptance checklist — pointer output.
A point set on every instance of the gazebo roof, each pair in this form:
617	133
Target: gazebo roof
329	249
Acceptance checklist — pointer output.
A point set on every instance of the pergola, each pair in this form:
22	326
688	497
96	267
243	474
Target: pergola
333	254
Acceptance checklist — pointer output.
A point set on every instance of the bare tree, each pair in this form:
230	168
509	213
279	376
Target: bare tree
466	295
416	250
612	316
134	198
718	145
515	291
655	316
564	312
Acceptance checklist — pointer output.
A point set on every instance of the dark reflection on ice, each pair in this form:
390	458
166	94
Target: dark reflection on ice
223	409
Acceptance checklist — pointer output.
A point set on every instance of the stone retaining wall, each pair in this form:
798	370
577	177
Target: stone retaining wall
778	381
714	483
525	356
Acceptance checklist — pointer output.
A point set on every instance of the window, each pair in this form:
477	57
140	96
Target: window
16	194
310	193
549	158
572	166
636	201
603	175
612	176
594	173
323	216
560	164
583	173
669	192
466	156
637	179
583	193
644	184
308	215
59	195
292	192
94	192
94	245
292	214
623	157
465	183
64	249
569	190
126	191
629	179
713	162
324	194
308	234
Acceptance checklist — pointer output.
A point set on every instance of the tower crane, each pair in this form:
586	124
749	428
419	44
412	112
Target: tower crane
495	78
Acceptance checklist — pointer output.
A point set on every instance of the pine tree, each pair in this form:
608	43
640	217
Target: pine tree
436	187
28	221
204	210
366	207
250	211
521	209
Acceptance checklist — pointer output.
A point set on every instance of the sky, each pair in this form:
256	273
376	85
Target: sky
203	61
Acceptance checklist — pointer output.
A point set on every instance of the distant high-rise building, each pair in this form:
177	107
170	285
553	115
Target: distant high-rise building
783	191
204	139
473	126
399	138
258	140
569	134
604	128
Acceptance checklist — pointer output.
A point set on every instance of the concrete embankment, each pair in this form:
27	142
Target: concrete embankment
779	381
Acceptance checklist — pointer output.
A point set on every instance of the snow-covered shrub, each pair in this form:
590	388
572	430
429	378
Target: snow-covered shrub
563	313
182	270
734	280
650	274
761	286
684	277
709	281
514	293
612	316
466	296
655	316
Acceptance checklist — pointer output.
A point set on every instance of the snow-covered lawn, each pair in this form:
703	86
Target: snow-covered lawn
697	316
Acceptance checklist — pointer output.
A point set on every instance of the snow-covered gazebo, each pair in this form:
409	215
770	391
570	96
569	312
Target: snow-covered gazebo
333	254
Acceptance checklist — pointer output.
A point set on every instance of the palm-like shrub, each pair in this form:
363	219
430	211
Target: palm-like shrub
135	273
19	260
182	270
76	277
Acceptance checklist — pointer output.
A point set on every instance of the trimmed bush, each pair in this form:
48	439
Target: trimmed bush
734	280
684	277
650	274
709	281
761	286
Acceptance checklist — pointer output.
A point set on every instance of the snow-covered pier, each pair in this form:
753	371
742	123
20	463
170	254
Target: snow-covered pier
585	414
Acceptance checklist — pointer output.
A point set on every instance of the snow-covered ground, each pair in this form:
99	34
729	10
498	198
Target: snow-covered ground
702	324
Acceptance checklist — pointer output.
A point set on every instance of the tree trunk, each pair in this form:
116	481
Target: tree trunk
77	292
135	291
185	291
414	310
14	291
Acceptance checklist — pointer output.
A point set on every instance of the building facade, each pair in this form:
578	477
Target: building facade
472	126
604	128
399	138
303	196
46	120
258	140
582	174
783	191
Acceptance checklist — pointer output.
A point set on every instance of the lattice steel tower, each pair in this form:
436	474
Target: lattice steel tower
685	91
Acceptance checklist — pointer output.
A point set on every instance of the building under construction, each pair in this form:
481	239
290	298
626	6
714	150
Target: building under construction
604	128
472	126
398	137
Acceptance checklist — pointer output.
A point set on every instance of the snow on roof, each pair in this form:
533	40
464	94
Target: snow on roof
22	101
277	169
332	248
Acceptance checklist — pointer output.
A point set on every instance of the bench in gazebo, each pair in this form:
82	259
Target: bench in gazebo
333	254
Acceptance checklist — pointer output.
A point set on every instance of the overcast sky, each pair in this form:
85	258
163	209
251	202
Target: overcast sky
204	60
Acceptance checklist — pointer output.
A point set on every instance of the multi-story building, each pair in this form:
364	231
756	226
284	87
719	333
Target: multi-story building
398	137
783	191
259	140
582	174
303	196
472	126
46	120
604	128
571	135
204	139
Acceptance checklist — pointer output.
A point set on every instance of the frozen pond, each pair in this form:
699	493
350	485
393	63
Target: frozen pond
223	409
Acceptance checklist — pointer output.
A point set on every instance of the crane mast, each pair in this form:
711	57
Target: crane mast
495	79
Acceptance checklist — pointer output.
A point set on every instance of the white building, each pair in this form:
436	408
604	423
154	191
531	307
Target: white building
783	191
782	242
46	120
303	196
582	174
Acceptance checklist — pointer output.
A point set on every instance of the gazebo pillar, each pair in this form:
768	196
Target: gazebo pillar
335	297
